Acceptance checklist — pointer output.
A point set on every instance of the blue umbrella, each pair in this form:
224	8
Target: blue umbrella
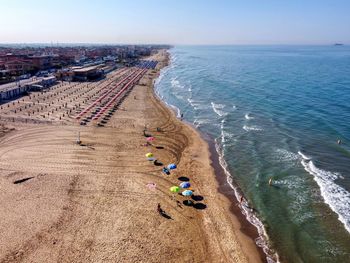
185	185
172	166
187	193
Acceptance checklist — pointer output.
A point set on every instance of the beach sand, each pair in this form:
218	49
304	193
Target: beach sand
64	202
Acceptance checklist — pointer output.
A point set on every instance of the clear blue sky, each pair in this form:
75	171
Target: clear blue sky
176	21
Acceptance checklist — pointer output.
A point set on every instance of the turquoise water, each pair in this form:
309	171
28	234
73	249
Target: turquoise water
276	112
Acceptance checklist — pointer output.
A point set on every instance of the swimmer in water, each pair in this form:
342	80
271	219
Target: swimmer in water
339	141
270	181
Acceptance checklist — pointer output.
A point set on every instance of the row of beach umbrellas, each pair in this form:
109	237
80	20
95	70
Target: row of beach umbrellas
174	189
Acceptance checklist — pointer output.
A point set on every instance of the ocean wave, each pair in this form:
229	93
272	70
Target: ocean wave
224	134
176	83
336	197
218	109
307	158
160	96
247	116
247	211
191	102
252	128
197	105
198	122
284	155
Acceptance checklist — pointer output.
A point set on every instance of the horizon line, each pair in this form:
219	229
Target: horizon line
167	44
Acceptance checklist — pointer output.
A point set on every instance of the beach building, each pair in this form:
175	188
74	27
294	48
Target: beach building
87	73
15	89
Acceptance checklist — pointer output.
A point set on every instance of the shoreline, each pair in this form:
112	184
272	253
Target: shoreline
267	254
223	187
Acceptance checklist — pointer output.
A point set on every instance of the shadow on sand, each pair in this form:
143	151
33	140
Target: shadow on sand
183	179
165	215
23	180
200	206
197	197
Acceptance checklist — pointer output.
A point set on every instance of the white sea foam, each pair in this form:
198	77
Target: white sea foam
247	116
218	109
198	122
334	195
191	102
175	83
304	156
223	137
252	128
284	155
197	105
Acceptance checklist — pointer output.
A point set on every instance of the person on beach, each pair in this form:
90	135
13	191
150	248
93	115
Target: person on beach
182	116
159	209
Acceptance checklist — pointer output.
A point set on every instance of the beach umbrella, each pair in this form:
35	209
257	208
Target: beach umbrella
185	184
149	155
174	189
187	193
172	166
166	171
150	139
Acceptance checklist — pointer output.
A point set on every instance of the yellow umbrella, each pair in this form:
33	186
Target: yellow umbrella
174	189
149	155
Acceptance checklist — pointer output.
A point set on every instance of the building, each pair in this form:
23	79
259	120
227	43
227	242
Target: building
17	67
87	73
15	89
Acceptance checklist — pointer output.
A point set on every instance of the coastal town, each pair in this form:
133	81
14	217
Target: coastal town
28	68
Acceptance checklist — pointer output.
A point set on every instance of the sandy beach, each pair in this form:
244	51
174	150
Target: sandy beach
96	202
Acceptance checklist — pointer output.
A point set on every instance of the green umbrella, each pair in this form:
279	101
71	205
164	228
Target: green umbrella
174	189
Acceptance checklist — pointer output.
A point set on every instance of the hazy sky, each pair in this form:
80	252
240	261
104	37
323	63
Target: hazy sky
176	21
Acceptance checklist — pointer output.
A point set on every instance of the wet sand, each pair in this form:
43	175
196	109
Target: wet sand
65	202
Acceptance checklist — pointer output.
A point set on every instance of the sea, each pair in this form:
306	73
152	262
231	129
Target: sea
279	113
